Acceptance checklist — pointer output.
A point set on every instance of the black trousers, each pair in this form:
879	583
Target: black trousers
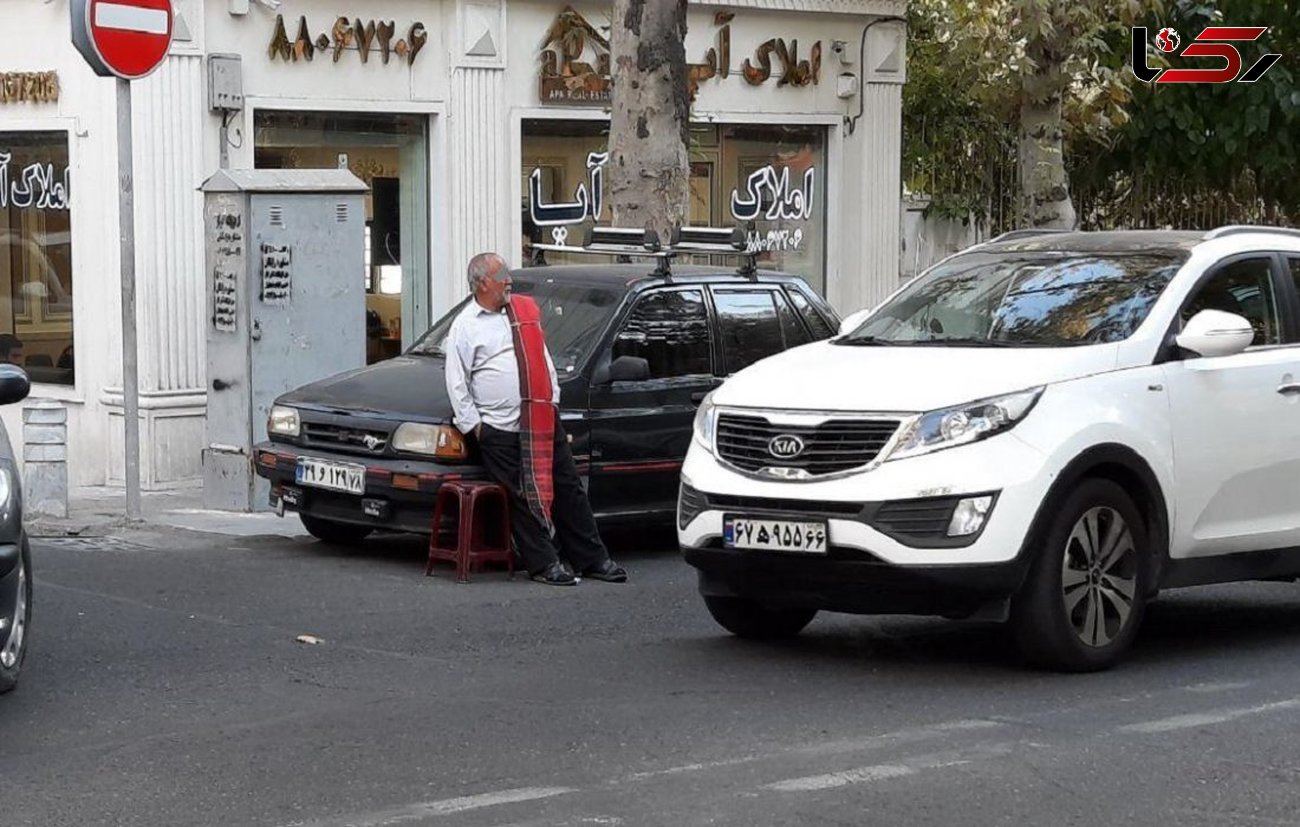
576	540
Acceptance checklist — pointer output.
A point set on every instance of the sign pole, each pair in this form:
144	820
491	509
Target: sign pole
130	365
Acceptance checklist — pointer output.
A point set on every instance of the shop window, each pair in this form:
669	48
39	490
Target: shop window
670	330
36	277
390	154
770	179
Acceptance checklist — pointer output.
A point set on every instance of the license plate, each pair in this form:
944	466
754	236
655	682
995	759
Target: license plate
334	476
774	535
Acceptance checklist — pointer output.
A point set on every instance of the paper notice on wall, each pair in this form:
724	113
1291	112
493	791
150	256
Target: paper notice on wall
277	274
228	248
225	300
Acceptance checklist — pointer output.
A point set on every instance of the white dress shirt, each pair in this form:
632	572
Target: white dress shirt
482	371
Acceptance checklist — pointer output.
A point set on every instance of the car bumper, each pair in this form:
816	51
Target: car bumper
1017	474
399	493
846	580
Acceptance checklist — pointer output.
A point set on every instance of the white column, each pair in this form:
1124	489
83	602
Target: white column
479	165
881	191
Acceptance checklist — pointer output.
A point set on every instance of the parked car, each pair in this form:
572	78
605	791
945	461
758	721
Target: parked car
1043	429
15	555
635	352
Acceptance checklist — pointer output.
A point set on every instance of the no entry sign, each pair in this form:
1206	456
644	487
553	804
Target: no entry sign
122	38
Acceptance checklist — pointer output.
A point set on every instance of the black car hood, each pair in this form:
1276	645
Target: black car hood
407	388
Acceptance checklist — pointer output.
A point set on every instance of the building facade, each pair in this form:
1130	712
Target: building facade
477	124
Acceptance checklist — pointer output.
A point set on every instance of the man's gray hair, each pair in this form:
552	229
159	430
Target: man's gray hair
481	266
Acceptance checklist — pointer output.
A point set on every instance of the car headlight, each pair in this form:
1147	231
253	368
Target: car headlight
964	424
283	421
441	441
705	421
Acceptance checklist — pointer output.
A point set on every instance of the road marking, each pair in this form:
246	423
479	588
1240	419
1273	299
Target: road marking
130	18
1225	686
428	809
1201	719
841	779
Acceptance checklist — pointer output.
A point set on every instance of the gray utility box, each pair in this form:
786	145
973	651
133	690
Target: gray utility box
286	306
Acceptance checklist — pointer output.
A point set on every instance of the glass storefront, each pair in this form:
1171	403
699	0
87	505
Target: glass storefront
36	256
390	154
769	179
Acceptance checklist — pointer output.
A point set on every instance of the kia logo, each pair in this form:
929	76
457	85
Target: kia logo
785	446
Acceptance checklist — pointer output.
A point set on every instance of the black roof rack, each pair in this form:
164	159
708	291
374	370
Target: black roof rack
1241	229
628	244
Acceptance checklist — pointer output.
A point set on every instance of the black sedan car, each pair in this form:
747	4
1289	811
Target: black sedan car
15	556
635	351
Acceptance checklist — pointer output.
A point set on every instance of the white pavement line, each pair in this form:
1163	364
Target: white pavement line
841	779
1223	686
1200	719
881	772
848	745
130	18
428	809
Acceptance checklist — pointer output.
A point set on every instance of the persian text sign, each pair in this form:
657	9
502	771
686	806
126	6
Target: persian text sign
29	87
36	186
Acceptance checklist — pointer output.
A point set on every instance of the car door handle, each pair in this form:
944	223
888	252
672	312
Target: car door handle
1289	389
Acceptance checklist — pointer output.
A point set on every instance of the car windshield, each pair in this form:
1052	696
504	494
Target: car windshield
999	299
573	315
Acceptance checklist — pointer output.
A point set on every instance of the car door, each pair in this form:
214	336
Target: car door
1236	419
755	322
641	428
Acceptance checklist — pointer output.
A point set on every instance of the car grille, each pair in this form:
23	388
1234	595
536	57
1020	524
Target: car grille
347	440
833	447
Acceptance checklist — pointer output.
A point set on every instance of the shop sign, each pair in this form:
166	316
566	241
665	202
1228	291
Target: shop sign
568	79
768	196
29	87
366	37
36	186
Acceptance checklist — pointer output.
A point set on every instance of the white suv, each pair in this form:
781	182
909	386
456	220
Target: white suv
1046	429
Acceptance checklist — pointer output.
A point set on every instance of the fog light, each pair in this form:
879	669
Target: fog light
968	518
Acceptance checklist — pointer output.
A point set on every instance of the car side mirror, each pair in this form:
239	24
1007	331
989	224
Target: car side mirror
622	369
15	385
1213	333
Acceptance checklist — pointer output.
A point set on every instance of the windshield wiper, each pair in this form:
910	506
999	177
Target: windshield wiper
965	341
865	341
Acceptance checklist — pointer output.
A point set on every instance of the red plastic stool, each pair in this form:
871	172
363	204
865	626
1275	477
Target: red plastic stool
469	547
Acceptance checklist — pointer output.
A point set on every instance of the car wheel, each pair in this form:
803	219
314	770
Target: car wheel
1085	595
13	639
334	533
747	619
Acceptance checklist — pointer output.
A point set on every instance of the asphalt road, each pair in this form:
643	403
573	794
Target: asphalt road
166	687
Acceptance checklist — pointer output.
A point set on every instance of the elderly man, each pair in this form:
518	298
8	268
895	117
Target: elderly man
503	390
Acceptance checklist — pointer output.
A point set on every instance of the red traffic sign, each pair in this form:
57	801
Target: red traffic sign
122	38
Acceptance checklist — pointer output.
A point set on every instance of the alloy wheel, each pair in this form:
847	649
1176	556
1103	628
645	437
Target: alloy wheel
1099	576
13	645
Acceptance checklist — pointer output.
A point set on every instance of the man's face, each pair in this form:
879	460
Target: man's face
496	288
15	356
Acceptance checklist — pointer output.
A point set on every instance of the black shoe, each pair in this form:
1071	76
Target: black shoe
609	571
556	574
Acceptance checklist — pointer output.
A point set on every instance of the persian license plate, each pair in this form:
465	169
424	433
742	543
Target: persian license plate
334	476
774	535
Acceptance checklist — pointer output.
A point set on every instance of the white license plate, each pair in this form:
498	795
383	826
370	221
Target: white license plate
335	476
774	535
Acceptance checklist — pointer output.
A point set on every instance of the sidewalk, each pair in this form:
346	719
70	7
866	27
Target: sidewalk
101	512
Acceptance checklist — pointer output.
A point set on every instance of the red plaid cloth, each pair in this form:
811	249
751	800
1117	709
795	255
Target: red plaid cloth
537	413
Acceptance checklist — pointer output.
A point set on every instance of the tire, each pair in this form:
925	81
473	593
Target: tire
14	640
1084	598
747	619
334	533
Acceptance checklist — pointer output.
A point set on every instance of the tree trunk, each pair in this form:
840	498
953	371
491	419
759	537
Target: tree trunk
649	164
1044	185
